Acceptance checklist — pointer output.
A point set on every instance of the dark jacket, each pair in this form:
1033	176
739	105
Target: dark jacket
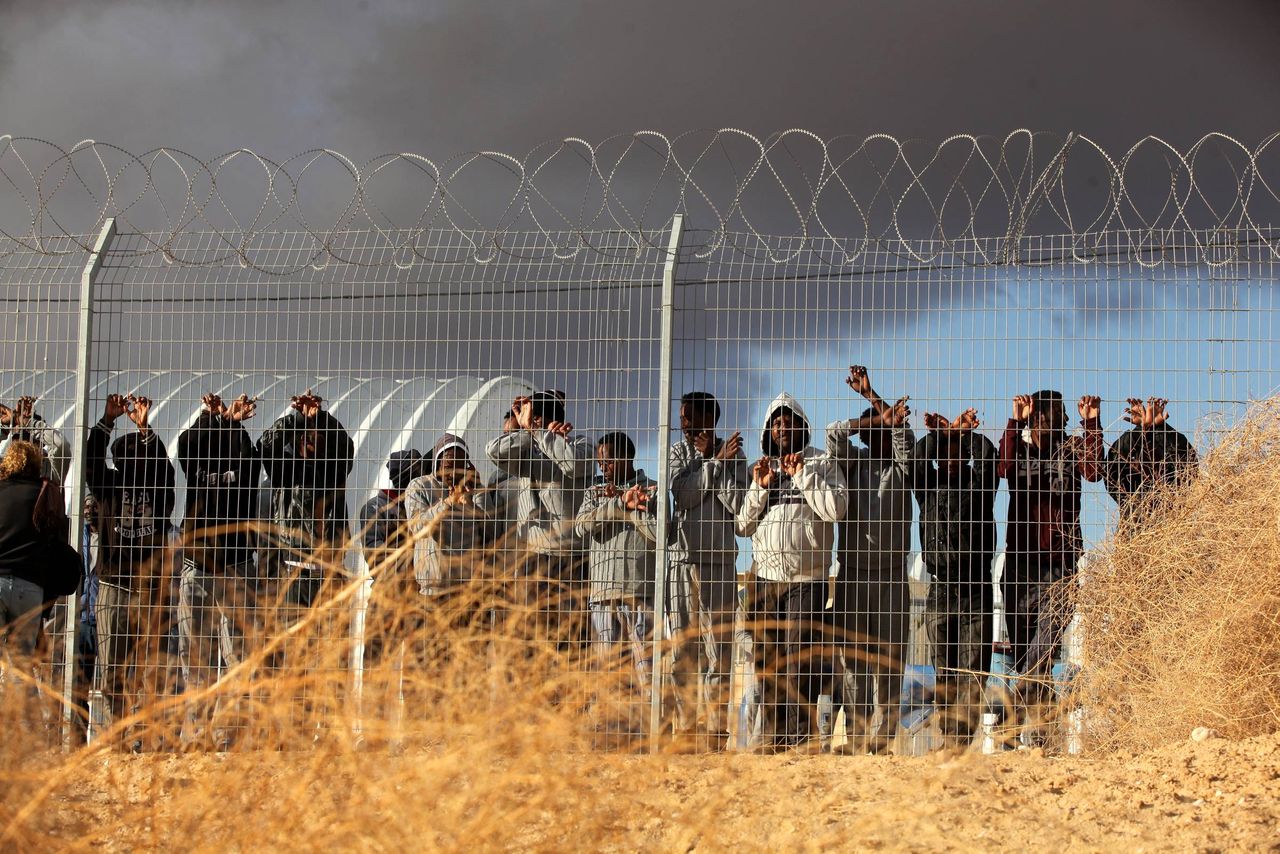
1044	496
957	514
222	469
1142	460
135	500
308	495
25	552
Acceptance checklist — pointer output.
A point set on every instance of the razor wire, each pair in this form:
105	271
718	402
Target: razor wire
866	198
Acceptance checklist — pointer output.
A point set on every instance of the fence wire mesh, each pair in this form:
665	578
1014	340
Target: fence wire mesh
372	467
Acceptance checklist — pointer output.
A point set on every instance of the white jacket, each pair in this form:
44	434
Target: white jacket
792	524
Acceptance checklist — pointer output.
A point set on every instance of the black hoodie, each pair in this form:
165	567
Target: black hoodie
957	514
308	494
135	499
222	470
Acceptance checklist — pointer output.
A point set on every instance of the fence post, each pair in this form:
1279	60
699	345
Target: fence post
661	562
84	343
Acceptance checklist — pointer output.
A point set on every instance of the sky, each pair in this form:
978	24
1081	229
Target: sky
443	78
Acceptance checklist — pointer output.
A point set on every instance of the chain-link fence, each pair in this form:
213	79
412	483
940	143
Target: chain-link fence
626	458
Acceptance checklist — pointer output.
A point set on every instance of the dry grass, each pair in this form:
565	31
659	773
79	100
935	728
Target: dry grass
467	735
1181	613
493	745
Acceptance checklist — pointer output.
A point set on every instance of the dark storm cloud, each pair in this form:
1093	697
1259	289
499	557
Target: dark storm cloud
449	77
452	76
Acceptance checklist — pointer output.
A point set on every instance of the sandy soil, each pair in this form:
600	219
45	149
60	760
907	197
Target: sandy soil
1212	795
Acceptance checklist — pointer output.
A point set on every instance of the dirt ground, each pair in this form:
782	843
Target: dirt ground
1211	795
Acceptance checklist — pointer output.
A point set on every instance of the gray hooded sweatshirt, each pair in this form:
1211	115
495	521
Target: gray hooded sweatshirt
707	495
792	523
620	542
554	473
876	533
444	533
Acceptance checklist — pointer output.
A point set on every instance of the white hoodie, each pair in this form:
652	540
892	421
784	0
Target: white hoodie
792	524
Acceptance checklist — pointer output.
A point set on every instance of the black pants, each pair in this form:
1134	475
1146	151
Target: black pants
958	623
793	662
1038	607
870	628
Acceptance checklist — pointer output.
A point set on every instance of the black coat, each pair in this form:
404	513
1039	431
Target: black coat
25	552
135	501
222	469
1141	460
957	514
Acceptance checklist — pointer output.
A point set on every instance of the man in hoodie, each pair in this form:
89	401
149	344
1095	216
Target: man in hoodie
1150	456
454	531
617	521
955	481
384	541
797	494
308	456
555	469
1044	467
708	479
452	520
218	602
503	489
871	600
135	500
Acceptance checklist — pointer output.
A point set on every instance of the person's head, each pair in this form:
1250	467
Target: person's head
404	466
128	456
509	422
879	440
615	454
951	456
308	444
548	406
787	430
699	413
1048	417
452	461
22	460
90	511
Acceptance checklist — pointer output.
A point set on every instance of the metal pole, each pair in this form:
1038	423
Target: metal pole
661	567
84	340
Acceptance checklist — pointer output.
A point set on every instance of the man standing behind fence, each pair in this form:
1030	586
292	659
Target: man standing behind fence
955	481
384	541
797	493
308	456
135	500
869	616
1149	456
708	479
25	424
555	470
1044	468
617	520
219	603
